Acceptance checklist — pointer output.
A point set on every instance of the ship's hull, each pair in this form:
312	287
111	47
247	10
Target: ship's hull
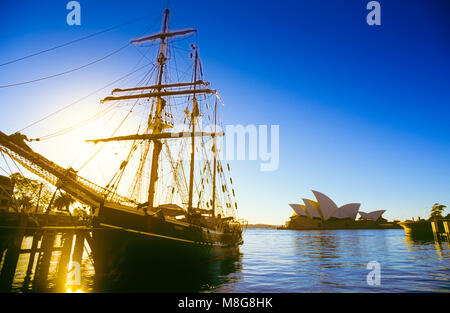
131	249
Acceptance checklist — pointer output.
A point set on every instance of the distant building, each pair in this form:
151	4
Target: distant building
6	191
323	211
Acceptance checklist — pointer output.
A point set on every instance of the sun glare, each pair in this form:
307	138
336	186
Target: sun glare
71	289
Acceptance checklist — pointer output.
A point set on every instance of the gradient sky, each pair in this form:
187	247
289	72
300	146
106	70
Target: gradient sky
364	111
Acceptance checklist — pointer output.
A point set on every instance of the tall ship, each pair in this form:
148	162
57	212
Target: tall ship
180	207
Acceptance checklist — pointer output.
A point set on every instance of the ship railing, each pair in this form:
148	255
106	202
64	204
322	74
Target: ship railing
107	193
243	224
239	224
66	179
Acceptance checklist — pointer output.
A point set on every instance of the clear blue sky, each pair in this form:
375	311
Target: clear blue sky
364	111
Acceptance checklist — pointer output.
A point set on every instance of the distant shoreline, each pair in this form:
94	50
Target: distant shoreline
263	226
328	227
381	227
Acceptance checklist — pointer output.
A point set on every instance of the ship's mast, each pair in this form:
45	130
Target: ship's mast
160	103
215	163
194	114
155	123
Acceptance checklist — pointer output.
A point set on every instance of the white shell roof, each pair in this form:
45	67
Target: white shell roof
312	208
347	211
326	206
299	209
374	215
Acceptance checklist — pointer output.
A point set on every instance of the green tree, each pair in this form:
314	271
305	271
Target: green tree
436	211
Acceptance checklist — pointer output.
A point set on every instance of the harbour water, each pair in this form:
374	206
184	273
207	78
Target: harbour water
306	261
336	261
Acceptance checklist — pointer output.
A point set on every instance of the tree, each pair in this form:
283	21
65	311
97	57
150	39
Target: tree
436	211
63	200
28	191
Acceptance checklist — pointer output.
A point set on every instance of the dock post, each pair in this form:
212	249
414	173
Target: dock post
79	247
61	276
33	251
12	256
434	227
42	267
446	229
77	256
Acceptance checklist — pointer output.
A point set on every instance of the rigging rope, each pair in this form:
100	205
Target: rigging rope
66	72
75	126
94	92
1	168
7	165
120	125
78	40
81	99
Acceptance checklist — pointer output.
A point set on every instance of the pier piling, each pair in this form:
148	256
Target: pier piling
440	230
34	249
42	267
446	230
46	236
61	276
12	256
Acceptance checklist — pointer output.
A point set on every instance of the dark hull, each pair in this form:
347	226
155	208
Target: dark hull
418	230
130	250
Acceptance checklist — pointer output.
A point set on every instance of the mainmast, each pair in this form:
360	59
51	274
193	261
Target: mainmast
155	123
194	114
160	103
215	163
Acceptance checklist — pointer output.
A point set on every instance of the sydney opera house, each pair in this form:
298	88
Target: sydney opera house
324	213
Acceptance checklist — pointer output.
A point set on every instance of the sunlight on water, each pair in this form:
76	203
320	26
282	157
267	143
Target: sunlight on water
73	290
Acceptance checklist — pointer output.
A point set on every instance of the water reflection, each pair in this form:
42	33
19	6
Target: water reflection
440	248
282	261
336	261
205	277
320	244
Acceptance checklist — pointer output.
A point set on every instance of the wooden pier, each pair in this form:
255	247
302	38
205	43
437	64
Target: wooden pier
36	250
441	230
437	230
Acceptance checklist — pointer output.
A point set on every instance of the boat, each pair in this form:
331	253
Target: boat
196	221
423	229
417	229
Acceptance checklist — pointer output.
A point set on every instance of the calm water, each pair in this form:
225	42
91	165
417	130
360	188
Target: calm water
336	260
310	261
